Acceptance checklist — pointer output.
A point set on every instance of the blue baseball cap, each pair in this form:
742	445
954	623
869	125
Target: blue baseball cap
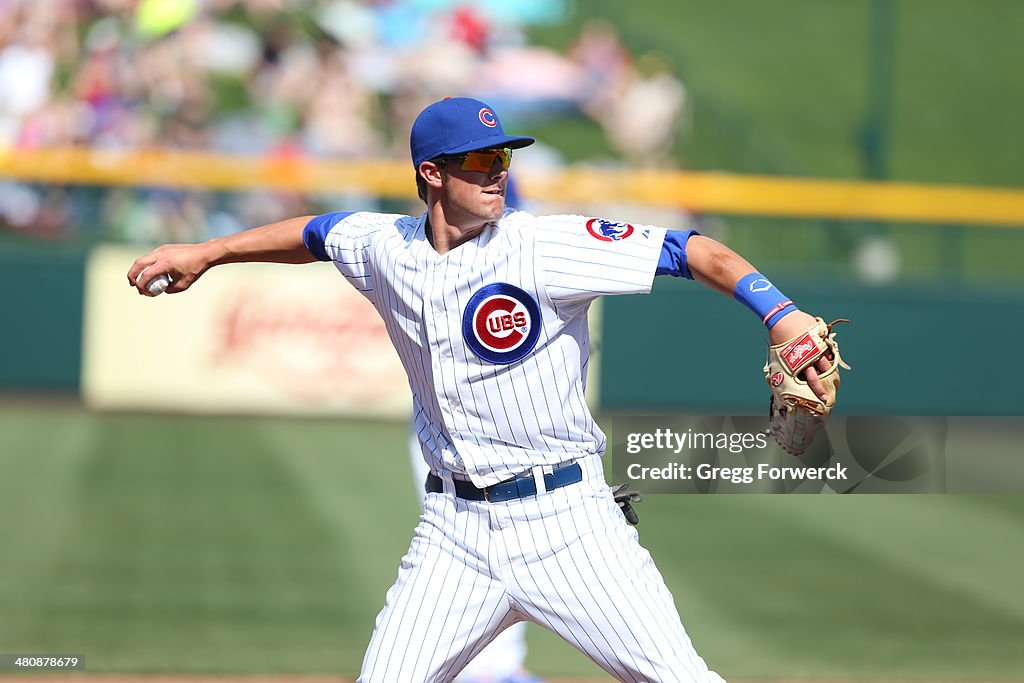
456	125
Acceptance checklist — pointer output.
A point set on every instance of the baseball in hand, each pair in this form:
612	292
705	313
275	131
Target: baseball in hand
159	284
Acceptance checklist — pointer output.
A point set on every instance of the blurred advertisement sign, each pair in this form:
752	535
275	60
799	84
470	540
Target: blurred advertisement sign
250	338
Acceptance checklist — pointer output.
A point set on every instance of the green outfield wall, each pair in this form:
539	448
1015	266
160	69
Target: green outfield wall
41	318
914	350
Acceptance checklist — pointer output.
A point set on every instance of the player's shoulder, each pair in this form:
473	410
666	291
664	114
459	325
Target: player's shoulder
565	227
514	217
366	223
372	230
565	233
525	220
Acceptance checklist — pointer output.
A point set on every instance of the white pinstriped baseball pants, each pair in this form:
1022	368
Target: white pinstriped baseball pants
566	560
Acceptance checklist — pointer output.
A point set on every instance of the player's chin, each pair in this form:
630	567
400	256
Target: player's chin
494	205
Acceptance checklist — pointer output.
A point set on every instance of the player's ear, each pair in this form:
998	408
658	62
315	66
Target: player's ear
432	173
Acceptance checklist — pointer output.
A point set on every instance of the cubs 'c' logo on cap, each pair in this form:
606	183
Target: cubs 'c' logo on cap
501	324
487	118
609	231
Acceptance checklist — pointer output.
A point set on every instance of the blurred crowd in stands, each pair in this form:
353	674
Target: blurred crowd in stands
316	78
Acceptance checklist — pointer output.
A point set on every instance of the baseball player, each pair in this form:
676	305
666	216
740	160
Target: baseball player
487	309
504	658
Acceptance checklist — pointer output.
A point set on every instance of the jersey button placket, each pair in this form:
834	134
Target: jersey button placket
437	334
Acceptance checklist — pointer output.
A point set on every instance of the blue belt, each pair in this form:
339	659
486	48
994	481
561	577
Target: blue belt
510	489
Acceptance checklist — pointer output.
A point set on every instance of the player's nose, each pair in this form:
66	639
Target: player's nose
498	169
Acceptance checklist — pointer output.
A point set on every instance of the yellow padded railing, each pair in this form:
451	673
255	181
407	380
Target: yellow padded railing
699	192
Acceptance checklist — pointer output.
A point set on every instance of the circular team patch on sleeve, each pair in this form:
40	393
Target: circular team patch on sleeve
609	231
501	324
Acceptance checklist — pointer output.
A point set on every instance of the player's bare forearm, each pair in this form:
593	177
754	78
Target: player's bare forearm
719	267
273	243
715	265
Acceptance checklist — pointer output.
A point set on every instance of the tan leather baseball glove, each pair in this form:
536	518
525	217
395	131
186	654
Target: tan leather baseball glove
796	414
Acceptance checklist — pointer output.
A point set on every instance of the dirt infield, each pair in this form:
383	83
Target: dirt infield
295	678
82	677
174	678
76	677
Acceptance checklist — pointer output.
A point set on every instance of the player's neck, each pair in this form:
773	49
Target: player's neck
445	236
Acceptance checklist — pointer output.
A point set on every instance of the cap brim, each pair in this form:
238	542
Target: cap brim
513	141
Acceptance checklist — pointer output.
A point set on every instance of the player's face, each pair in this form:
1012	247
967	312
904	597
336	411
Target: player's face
474	190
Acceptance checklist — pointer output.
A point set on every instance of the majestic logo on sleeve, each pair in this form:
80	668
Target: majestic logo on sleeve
501	324
609	231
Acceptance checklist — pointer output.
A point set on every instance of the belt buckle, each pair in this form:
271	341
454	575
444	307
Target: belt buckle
487	494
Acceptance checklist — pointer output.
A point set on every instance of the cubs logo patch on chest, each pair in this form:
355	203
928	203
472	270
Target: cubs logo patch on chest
501	324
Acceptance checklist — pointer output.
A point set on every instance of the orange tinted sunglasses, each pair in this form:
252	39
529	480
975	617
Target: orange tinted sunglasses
483	160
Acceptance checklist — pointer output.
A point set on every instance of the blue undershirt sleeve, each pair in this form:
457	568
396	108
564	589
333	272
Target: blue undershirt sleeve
672	260
316	230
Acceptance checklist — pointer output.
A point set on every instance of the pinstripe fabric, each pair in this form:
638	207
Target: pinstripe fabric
504	657
487	420
579	570
565	559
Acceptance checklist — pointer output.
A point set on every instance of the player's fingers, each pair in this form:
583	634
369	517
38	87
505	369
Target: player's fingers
823	364
179	284
816	386
149	276
143	279
140	265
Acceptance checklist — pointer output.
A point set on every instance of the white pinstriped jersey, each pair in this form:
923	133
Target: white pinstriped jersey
493	334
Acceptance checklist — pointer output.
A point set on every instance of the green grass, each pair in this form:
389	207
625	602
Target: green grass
155	543
266	545
893	586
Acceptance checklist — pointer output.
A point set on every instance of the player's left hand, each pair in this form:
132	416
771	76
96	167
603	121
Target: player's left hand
798	410
790	326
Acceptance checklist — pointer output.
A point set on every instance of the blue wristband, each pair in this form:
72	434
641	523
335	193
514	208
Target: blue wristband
757	293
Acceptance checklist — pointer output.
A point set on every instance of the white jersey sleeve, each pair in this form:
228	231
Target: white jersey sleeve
347	239
584	258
